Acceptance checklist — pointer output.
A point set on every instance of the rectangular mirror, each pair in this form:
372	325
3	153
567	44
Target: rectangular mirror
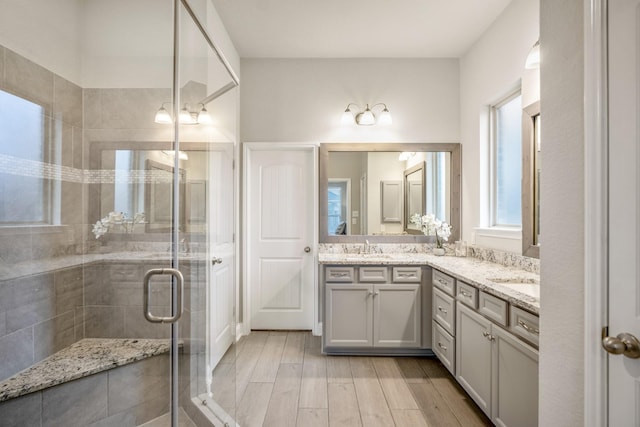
531	180
354	197
138	178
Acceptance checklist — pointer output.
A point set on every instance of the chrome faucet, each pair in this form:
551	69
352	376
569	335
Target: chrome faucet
367	246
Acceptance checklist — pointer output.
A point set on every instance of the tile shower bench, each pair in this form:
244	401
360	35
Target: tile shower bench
115	381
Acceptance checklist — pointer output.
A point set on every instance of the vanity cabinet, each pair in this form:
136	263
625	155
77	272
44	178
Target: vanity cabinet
373	311
498	370
444	317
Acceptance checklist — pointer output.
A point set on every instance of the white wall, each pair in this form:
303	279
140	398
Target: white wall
46	32
302	99
492	68
562	190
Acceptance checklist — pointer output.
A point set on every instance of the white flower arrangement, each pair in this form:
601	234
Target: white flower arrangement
102	226
430	226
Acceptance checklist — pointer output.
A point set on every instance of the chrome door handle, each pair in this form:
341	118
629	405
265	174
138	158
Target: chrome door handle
179	281
307	249
624	343
215	260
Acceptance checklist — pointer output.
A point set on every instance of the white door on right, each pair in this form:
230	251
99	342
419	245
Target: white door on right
624	206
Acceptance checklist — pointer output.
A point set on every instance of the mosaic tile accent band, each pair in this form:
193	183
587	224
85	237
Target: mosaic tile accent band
36	169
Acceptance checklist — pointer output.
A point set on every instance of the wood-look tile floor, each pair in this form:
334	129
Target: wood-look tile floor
282	379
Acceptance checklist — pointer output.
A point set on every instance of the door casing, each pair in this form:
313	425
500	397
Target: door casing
596	217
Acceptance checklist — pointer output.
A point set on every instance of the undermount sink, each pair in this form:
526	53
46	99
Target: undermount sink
514	281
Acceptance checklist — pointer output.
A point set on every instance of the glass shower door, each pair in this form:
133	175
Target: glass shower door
207	104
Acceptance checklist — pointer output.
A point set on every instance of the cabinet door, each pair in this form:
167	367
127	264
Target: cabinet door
349	315
514	381
473	355
396	319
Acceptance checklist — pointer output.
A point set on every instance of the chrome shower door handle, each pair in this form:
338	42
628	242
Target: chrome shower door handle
179	282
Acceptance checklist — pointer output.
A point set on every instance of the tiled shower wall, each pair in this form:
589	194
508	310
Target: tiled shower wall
42	313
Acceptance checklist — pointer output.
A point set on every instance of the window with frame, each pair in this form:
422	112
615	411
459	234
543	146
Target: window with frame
25	191
506	148
338	206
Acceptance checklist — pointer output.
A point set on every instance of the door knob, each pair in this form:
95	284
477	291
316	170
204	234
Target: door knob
624	343
215	260
307	249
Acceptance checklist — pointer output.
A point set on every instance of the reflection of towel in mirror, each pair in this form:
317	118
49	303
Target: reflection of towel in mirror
341	228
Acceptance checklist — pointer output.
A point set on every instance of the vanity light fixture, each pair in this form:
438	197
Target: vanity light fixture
185	116
533	58
366	117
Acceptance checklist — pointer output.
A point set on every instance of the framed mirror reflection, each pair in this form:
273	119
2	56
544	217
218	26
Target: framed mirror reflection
361	183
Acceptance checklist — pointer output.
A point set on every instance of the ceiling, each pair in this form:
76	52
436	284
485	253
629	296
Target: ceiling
356	28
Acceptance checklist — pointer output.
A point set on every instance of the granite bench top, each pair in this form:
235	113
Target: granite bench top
83	358
473	271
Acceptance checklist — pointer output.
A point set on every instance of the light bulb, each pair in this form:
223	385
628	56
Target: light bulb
163	116
204	117
185	117
533	58
385	118
366	118
347	117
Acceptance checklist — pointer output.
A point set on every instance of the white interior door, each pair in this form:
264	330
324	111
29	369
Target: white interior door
221	254
280	232
624	212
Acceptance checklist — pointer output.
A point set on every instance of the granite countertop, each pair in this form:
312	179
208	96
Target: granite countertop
85	357
524	294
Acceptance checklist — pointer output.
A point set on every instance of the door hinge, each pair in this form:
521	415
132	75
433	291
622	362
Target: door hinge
605	332
233	164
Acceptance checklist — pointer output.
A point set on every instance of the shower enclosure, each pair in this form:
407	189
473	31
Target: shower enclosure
117	214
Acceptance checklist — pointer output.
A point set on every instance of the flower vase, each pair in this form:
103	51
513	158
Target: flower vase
438	251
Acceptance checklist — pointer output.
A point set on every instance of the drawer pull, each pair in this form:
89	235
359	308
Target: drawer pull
528	328
406	275
442	310
339	274
465	294
442	282
444	348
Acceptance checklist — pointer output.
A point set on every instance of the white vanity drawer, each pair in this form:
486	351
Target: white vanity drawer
467	294
339	274
444	282
492	307
407	274
525	325
443	310
444	346
373	274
